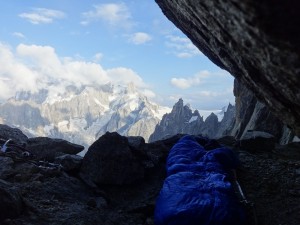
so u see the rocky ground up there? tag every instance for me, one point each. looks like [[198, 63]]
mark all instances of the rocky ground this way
[[66, 191], [272, 182]]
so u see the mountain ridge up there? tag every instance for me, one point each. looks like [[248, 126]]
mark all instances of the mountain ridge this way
[[82, 114], [183, 120]]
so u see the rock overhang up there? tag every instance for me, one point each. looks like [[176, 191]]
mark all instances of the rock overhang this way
[[257, 42]]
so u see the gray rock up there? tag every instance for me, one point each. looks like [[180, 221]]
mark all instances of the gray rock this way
[[226, 125], [136, 142], [257, 42], [48, 148], [210, 126], [287, 136], [256, 141], [110, 160], [98, 202], [253, 115], [10, 201], [24, 172], [70, 163], [289, 151], [6, 164], [229, 141], [15, 134], [159, 150]]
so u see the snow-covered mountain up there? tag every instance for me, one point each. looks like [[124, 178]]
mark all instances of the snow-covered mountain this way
[[82, 114]]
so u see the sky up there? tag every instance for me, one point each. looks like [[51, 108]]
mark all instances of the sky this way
[[95, 42]]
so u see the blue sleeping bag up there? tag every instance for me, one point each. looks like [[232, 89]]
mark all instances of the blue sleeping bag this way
[[197, 190]]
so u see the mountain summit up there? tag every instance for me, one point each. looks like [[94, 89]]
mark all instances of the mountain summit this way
[[183, 120], [83, 114]]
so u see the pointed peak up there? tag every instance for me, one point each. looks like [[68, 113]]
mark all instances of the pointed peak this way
[[188, 105], [196, 112], [212, 117], [179, 103]]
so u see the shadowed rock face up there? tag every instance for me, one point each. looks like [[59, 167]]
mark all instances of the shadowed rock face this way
[[110, 160], [252, 115], [256, 41]]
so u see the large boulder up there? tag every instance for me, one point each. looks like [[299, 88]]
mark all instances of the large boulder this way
[[48, 148], [136, 142], [15, 134], [10, 201], [110, 160], [256, 41]]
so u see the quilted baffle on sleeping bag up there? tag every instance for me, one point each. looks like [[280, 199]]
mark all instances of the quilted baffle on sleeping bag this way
[[197, 189]]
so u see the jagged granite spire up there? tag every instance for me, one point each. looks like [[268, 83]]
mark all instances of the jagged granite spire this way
[[174, 122], [210, 126], [183, 120], [227, 123]]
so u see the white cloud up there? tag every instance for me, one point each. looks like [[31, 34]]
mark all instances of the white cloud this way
[[140, 38], [39, 55], [185, 83], [42, 15], [208, 93], [121, 74], [18, 34], [14, 74], [204, 90], [148, 93], [181, 83], [210, 100], [33, 67], [184, 55], [215, 97], [97, 57], [115, 14], [182, 47]]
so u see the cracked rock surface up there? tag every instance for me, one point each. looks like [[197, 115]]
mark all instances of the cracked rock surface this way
[[258, 42]]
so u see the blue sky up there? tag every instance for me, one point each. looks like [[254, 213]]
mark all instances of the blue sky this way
[[99, 41]]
